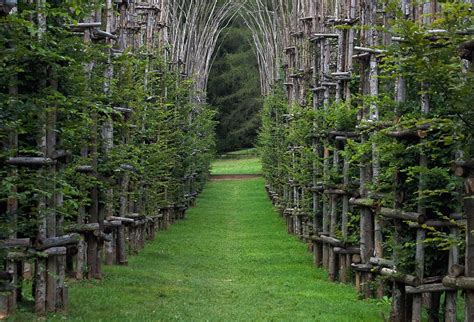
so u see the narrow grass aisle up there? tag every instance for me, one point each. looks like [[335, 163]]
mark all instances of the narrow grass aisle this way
[[231, 259], [248, 165]]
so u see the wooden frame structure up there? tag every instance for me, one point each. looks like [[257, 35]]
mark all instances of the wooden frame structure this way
[[328, 47], [119, 219]]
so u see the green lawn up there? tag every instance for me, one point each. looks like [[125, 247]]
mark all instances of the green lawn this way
[[243, 152], [248, 165], [231, 260]]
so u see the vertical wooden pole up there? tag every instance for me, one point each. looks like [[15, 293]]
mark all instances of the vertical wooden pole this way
[[10, 299], [62, 297], [345, 259], [81, 259], [326, 214], [398, 312], [469, 212], [450, 305], [333, 220], [40, 265], [108, 137], [40, 286], [51, 222], [420, 233], [121, 246]]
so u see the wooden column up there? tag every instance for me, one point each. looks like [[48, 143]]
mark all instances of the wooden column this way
[[8, 300], [469, 211], [465, 169]]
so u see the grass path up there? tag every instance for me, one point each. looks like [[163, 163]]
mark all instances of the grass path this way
[[246, 165], [230, 260]]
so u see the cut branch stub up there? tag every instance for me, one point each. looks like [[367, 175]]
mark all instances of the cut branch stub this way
[[85, 169], [85, 25], [16, 242], [428, 288], [382, 262], [403, 215], [456, 270], [83, 228], [30, 161], [329, 240], [363, 202], [460, 282], [400, 277], [42, 244], [346, 251]]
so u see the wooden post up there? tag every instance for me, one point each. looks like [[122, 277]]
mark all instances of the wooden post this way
[[466, 170], [51, 220], [417, 309], [346, 259], [8, 299], [326, 213], [450, 305], [108, 143], [81, 258], [333, 258], [366, 230], [40, 286], [399, 311], [317, 173], [399, 301], [121, 246]]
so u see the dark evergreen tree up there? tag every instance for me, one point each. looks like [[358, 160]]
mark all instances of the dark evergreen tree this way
[[234, 89]]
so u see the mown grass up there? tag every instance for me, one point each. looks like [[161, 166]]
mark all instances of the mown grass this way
[[244, 161], [231, 260], [243, 152], [247, 165]]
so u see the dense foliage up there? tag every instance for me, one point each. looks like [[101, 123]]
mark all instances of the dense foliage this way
[[49, 71]]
